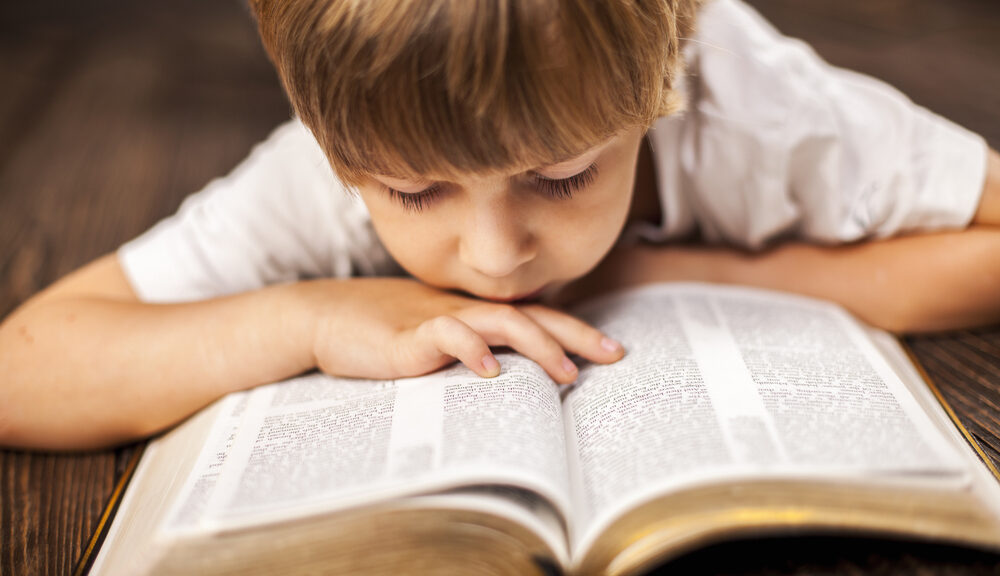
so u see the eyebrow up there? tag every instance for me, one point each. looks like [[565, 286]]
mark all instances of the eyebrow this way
[[597, 149], [570, 161], [422, 181]]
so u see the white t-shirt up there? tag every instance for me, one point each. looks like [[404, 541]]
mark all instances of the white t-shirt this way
[[774, 143]]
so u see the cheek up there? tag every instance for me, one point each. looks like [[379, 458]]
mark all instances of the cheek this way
[[580, 237], [417, 243], [605, 215]]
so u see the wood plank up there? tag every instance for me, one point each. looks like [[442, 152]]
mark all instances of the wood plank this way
[[111, 113]]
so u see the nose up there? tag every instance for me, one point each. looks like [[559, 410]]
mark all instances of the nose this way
[[496, 241]]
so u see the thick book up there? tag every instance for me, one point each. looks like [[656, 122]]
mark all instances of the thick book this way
[[736, 412]]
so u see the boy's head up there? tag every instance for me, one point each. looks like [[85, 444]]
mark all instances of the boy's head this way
[[409, 95]]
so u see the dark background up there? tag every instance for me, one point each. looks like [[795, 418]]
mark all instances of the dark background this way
[[111, 111]]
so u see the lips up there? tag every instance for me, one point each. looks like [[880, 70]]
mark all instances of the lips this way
[[520, 298]]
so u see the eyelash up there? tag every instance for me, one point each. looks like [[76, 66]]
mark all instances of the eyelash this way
[[563, 188], [414, 202], [557, 188]]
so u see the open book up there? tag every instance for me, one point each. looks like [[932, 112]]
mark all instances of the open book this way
[[735, 412]]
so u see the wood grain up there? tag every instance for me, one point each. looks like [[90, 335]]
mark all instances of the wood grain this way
[[111, 111], [966, 368]]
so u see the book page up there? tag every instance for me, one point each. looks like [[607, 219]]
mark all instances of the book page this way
[[722, 382], [645, 417], [318, 443], [200, 485]]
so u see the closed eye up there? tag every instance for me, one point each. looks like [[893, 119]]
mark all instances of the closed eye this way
[[563, 188], [557, 188], [414, 201]]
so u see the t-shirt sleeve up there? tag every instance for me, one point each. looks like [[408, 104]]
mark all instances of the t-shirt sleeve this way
[[280, 216], [779, 143]]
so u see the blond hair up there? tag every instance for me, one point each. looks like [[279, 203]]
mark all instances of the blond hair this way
[[445, 87]]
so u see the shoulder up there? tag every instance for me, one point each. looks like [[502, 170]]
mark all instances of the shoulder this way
[[287, 187], [743, 70], [290, 154], [285, 176], [281, 215]]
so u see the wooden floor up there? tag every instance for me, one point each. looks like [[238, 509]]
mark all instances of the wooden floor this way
[[111, 111]]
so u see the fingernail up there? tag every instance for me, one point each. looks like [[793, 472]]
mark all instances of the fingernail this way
[[610, 345], [568, 366], [491, 365]]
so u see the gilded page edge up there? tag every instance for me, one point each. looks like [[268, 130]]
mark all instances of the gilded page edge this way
[[87, 558], [947, 408]]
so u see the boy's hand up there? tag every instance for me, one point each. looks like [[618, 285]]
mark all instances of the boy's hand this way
[[394, 327]]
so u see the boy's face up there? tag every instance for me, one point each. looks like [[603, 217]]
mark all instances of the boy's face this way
[[512, 235]]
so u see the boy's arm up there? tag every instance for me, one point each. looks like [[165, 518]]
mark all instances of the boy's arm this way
[[922, 283], [85, 364], [916, 283], [988, 212]]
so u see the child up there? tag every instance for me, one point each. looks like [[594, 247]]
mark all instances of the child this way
[[508, 156]]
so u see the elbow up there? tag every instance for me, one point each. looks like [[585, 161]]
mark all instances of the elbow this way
[[49, 439], [7, 431], [900, 314], [25, 427], [921, 316], [891, 322]]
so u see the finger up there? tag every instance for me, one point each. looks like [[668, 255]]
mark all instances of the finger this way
[[505, 325], [450, 336], [575, 335]]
